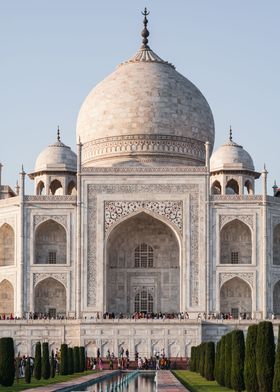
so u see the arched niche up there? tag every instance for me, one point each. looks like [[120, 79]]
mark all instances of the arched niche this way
[[7, 245], [71, 189], [50, 298], [50, 243], [249, 187], [276, 299], [236, 243], [236, 298], [276, 245], [216, 188], [126, 276], [56, 187], [6, 298], [232, 187]]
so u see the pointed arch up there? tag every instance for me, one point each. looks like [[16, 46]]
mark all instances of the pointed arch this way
[[40, 190], [50, 243], [50, 297], [72, 189], [6, 298], [236, 243], [249, 187], [276, 245], [216, 188], [236, 298], [160, 272], [56, 187], [276, 299], [232, 187], [7, 245]]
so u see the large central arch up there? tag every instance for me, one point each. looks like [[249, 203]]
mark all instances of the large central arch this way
[[143, 259]]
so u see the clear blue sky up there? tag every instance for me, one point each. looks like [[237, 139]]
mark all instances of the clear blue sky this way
[[53, 52]]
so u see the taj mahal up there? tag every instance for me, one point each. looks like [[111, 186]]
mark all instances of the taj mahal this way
[[146, 216]]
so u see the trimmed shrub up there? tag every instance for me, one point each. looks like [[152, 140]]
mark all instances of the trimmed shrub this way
[[52, 365], [222, 361], [265, 356], [70, 360], [209, 361], [76, 359], [46, 369], [82, 359], [237, 361], [192, 362], [250, 371], [64, 360], [27, 374], [201, 359], [217, 362], [38, 362], [228, 355], [276, 379], [7, 362]]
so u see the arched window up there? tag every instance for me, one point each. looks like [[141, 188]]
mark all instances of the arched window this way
[[50, 297], [144, 302], [232, 187], [40, 188], [6, 297], [216, 188], [236, 298], [71, 190], [50, 243], [7, 245], [144, 256], [56, 187], [276, 245]]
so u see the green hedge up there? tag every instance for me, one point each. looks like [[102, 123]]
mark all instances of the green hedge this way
[[276, 379], [265, 356], [250, 371], [237, 361], [46, 369], [38, 362], [228, 355], [82, 359], [64, 360], [70, 360], [209, 361], [76, 359], [7, 362]]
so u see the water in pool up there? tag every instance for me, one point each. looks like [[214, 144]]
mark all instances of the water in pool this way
[[125, 382]]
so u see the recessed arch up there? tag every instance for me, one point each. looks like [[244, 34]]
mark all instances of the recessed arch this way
[[40, 190], [276, 244], [232, 187], [50, 243], [236, 298], [6, 298], [56, 187], [50, 297], [276, 299], [72, 189], [216, 188], [124, 279], [236, 243], [7, 245]]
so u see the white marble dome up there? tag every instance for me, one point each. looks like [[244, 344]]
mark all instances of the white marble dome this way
[[144, 113], [231, 156], [56, 157]]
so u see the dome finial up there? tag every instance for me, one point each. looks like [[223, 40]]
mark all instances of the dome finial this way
[[145, 32], [230, 134], [58, 134]]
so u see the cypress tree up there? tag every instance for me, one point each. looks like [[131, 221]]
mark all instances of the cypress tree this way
[[38, 362], [27, 374], [52, 365], [7, 362], [17, 365], [217, 362], [201, 358], [209, 361], [276, 379], [228, 355], [70, 360], [192, 363], [265, 356], [64, 360], [237, 361], [76, 359], [222, 361], [82, 359], [250, 372], [46, 370]]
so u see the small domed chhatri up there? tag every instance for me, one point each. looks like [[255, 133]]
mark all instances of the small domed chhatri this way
[[145, 113], [231, 156]]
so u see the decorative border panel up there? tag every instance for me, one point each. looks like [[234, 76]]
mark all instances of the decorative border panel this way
[[38, 219], [38, 277], [246, 276], [247, 219]]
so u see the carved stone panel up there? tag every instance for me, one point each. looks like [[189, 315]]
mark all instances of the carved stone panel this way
[[247, 219], [247, 276], [114, 212], [170, 210], [38, 219], [38, 277]]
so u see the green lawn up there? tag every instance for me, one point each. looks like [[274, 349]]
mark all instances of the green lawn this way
[[195, 383], [21, 385]]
